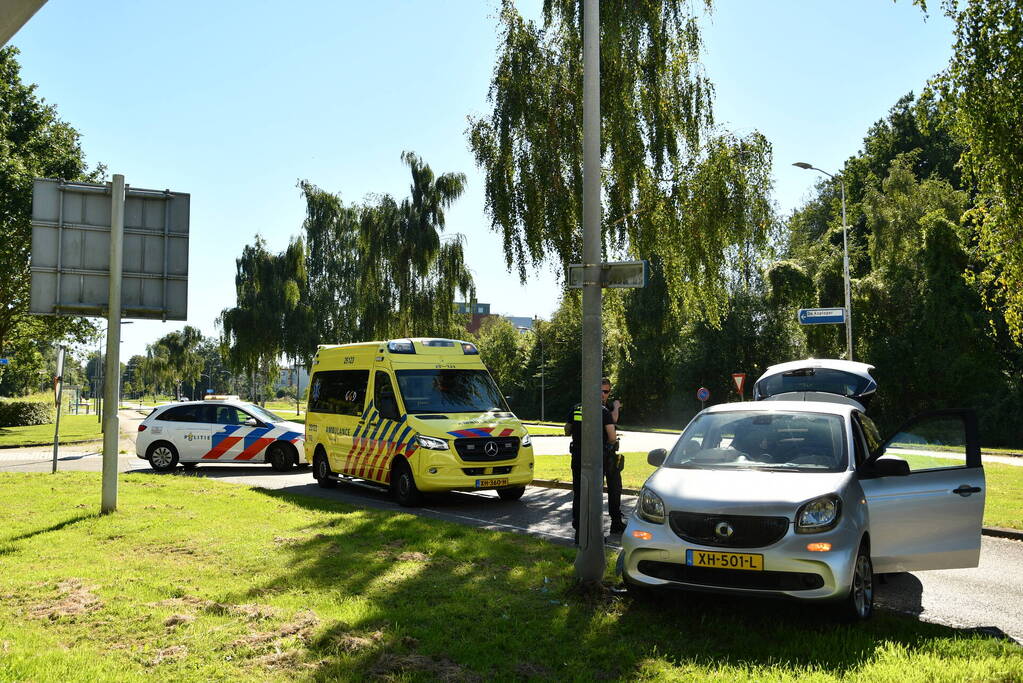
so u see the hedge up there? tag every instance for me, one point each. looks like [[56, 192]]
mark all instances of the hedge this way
[[24, 413]]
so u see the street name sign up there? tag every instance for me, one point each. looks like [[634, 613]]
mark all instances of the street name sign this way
[[71, 251], [821, 316], [615, 274]]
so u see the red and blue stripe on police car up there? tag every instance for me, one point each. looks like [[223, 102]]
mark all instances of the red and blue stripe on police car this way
[[252, 440]]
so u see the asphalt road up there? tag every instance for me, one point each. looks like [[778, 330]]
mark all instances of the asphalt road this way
[[985, 598]]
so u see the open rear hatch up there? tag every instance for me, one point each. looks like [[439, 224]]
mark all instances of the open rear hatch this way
[[840, 381]]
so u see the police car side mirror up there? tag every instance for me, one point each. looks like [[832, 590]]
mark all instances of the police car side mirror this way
[[251, 422], [657, 457]]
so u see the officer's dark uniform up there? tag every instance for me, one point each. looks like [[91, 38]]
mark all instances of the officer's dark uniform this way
[[612, 473]]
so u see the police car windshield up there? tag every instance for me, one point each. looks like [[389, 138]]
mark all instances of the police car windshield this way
[[449, 391], [779, 441], [263, 414]]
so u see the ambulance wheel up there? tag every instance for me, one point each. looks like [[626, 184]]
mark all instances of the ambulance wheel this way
[[512, 493], [322, 473], [279, 457], [403, 484], [162, 456]]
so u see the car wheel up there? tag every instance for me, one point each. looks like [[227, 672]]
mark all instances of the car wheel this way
[[162, 456], [859, 604], [279, 457], [322, 472], [512, 493], [403, 485]]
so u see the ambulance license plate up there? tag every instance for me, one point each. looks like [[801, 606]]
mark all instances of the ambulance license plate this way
[[719, 560], [490, 483]]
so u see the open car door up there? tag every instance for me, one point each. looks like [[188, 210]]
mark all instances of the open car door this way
[[924, 490]]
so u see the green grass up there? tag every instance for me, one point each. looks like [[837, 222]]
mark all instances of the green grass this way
[[1003, 506], [196, 580], [545, 430], [73, 429]]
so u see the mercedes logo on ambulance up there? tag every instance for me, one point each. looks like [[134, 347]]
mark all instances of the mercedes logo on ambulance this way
[[490, 449]]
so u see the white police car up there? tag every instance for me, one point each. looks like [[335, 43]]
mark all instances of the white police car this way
[[219, 431]]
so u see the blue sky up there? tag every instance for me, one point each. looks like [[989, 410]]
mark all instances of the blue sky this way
[[234, 102]]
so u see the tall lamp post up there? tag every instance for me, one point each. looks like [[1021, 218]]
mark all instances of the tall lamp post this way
[[845, 257]]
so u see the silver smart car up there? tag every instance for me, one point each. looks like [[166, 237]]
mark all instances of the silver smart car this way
[[803, 499]]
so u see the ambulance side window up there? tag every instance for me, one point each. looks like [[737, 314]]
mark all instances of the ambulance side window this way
[[339, 392], [383, 396]]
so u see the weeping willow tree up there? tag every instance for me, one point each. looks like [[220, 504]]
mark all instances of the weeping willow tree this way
[[674, 186], [272, 316], [384, 269]]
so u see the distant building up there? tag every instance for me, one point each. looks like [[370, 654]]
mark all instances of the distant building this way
[[478, 311]]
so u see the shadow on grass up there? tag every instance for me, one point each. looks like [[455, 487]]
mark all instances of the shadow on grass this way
[[447, 601]]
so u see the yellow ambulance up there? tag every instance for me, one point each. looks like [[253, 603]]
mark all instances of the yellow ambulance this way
[[413, 415]]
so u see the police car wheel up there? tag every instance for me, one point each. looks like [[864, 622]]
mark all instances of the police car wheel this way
[[404, 486], [322, 473], [512, 493], [279, 457], [162, 456]]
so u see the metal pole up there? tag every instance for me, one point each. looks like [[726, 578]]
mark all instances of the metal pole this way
[[111, 428], [590, 561], [60, 396], [541, 381], [845, 259]]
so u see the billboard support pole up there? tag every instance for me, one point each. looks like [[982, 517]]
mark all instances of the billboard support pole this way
[[111, 427], [60, 397], [590, 560]]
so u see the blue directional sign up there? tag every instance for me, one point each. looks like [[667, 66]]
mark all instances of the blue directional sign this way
[[821, 316], [5, 361]]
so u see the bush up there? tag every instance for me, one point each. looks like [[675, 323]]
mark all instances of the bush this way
[[24, 413]]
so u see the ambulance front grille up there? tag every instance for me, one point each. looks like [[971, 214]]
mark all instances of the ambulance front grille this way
[[481, 450]]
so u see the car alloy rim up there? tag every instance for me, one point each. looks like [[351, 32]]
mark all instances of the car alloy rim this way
[[161, 457], [863, 588]]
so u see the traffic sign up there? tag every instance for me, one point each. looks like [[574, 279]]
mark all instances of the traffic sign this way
[[821, 316], [616, 274], [5, 361], [702, 394], [740, 381]]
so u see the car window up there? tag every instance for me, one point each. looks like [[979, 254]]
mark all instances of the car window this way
[[189, 413], [383, 390], [260, 413], [341, 392], [228, 415], [871, 432], [930, 442], [782, 440], [859, 442]]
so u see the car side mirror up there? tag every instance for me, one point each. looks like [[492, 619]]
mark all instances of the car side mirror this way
[[889, 467], [657, 457], [251, 422]]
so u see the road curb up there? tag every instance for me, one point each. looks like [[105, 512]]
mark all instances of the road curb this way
[[996, 531]]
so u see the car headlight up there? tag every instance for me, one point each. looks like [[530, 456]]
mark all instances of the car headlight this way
[[651, 507], [526, 440], [432, 443], [819, 514]]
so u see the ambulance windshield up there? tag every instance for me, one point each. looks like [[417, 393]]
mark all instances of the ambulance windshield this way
[[449, 391]]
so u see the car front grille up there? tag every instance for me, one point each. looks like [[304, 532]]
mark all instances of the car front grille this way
[[747, 531], [731, 578], [475, 449]]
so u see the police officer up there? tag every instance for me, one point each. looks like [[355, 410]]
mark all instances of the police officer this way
[[612, 473]]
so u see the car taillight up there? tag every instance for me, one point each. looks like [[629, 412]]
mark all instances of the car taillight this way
[[142, 428]]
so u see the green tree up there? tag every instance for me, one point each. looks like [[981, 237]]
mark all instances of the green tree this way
[[271, 314], [382, 269], [984, 88], [673, 186], [503, 350], [34, 142], [174, 358]]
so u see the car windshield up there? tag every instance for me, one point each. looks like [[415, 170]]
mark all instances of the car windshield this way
[[782, 441], [263, 414], [449, 391]]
